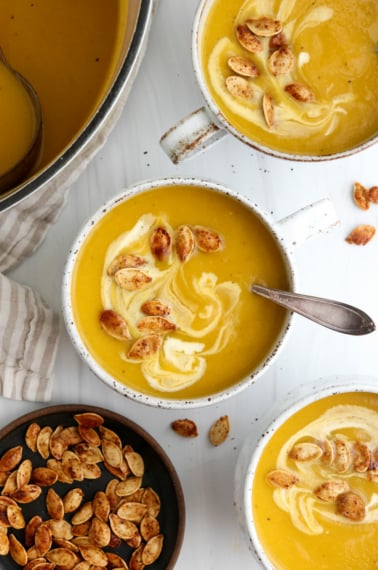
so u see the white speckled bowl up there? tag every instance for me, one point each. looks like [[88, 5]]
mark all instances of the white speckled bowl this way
[[288, 233], [265, 427], [207, 125]]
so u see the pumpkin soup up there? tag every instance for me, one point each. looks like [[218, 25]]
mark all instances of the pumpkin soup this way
[[316, 487], [161, 292], [17, 119], [68, 51], [297, 76]]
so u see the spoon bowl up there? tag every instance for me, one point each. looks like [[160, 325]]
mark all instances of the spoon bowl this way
[[334, 315], [19, 171]]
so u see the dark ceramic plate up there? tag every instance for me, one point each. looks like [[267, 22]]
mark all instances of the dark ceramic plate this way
[[159, 474]]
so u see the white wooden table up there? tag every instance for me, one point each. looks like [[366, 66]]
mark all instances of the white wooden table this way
[[164, 91]]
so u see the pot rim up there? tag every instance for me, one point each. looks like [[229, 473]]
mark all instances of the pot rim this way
[[53, 169], [171, 403], [223, 122]]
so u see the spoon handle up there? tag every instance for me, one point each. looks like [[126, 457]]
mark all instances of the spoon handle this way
[[335, 315]]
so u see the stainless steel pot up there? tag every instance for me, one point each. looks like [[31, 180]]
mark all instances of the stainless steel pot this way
[[67, 166]]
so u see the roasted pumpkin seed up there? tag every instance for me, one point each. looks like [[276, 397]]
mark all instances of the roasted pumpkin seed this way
[[145, 347], [305, 451], [11, 458], [264, 26], [184, 242], [243, 66], [155, 324], [248, 40], [152, 549], [132, 279], [124, 261], [155, 308], [281, 478], [219, 431], [240, 88], [114, 325]]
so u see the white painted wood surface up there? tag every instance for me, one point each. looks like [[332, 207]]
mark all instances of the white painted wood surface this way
[[164, 91]]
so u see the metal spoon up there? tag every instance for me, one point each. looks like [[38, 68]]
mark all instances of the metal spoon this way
[[19, 171], [335, 315]]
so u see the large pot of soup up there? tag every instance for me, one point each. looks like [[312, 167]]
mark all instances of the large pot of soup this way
[[81, 59]]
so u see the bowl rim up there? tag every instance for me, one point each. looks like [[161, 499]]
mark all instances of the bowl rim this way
[[222, 120], [68, 317], [62, 160], [294, 400]]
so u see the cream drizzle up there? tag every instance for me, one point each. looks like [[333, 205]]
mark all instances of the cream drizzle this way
[[290, 117], [305, 509], [203, 309]]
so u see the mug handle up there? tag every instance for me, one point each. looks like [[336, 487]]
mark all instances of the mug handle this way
[[193, 134], [317, 218]]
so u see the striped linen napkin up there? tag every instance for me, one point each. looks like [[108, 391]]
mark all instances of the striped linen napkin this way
[[29, 329]]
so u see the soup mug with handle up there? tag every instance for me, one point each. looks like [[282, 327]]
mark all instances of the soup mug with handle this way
[[279, 88], [322, 435], [183, 341]]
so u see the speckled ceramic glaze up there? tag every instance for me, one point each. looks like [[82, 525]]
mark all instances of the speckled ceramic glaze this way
[[288, 234]]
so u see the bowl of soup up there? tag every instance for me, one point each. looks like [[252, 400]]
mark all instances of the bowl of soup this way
[[306, 480], [293, 79], [157, 291], [81, 59]]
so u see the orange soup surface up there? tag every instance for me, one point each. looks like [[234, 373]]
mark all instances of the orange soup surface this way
[[298, 76], [315, 491], [208, 330], [69, 52], [18, 119]]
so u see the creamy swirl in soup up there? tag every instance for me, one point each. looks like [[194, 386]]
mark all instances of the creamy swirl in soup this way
[[316, 486], [299, 76], [161, 292], [202, 312]]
